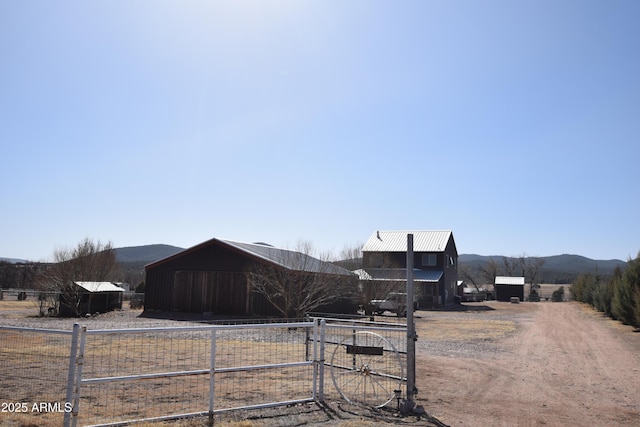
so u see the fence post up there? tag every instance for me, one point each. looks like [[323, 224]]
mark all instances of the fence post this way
[[316, 368], [212, 368], [72, 372], [308, 339], [323, 328], [411, 331], [78, 378]]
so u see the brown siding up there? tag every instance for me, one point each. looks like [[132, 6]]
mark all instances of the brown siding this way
[[173, 285], [211, 291], [207, 279]]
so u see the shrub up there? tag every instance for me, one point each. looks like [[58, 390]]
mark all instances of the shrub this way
[[534, 296], [140, 288], [626, 291], [136, 301], [558, 295]]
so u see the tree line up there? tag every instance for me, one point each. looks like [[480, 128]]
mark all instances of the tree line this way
[[528, 267], [617, 296]]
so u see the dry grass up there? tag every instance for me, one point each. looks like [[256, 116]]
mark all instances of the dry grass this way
[[7, 304], [13, 309], [33, 368], [455, 329]]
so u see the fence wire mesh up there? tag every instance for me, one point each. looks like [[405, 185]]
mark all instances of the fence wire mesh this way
[[135, 375], [34, 366], [369, 379], [133, 358]]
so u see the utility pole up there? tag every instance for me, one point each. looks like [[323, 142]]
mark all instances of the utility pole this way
[[411, 332]]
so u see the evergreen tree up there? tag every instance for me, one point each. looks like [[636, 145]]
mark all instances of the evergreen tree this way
[[604, 293], [625, 303]]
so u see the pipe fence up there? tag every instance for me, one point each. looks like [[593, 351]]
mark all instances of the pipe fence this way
[[35, 375], [118, 376]]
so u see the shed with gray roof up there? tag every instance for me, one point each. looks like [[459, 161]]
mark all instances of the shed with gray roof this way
[[506, 287], [94, 297]]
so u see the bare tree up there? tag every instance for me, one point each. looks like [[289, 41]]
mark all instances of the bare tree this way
[[88, 261], [530, 268], [467, 274], [298, 282], [351, 257], [533, 269], [509, 266], [490, 270]]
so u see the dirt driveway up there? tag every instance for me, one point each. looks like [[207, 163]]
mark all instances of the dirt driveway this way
[[556, 364]]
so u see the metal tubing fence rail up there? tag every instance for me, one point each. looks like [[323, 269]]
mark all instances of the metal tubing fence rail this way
[[111, 377], [386, 369], [37, 368], [221, 368]]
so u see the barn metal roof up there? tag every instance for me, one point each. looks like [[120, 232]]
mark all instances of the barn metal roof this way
[[505, 280], [396, 241], [291, 260], [99, 286], [398, 274]]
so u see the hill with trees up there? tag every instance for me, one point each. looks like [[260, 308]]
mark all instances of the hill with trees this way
[[552, 269], [132, 260], [145, 254]]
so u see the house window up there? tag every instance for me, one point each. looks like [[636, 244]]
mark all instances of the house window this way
[[429, 260]]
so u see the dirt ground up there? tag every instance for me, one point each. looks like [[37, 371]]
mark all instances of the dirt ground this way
[[564, 364], [481, 364]]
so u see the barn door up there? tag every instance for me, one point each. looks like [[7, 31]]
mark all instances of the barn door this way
[[188, 290]]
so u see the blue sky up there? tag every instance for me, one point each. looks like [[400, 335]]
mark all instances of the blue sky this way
[[515, 124]]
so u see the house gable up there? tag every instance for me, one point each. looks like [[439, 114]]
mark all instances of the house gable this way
[[432, 249], [384, 258]]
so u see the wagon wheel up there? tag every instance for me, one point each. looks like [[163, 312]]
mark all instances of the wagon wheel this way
[[366, 369]]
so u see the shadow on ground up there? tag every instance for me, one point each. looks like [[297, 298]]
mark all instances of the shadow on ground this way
[[330, 413], [477, 306]]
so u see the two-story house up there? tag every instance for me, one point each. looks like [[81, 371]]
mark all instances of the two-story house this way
[[435, 274]]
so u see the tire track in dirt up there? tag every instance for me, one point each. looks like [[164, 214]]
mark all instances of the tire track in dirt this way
[[565, 366]]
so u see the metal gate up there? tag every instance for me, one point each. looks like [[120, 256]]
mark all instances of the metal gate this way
[[119, 376]]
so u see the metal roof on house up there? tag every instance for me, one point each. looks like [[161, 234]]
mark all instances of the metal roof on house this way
[[396, 241], [505, 280], [291, 260], [398, 274], [99, 286]]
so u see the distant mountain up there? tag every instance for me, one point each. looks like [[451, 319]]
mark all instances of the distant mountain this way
[[13, 260], [556, 269], [145, 254], [579, 263], [132, 260]]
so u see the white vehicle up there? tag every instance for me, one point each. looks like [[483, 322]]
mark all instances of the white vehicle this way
[[395, 302]]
